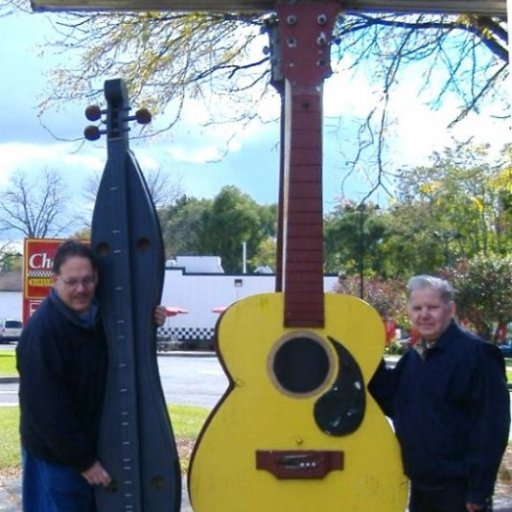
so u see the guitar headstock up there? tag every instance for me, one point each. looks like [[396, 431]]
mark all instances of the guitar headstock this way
[[116, 116], [305, 46]]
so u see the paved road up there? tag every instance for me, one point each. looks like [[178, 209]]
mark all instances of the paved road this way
[[192, 379], [187, 379]]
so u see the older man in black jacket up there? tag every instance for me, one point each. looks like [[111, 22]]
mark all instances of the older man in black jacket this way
[[448, 399]]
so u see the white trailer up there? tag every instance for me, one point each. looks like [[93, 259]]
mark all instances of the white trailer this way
[[204, 295], [195, 283]]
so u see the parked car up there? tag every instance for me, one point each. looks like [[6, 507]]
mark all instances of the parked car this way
[[506, 348], [10, 330]]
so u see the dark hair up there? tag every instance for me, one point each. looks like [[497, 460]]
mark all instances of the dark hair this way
[[70, 249]]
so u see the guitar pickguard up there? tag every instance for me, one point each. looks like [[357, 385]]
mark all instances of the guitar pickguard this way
[[340, 411]]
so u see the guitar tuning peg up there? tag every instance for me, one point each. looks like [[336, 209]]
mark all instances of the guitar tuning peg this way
[[321, 19], [321, 40], [93, 112], [93, 133], [143, 116], [291, 19]]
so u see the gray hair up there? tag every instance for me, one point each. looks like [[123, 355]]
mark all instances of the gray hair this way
[[443, 287]]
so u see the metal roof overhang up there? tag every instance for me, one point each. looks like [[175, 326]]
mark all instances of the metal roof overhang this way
[[482, 7]]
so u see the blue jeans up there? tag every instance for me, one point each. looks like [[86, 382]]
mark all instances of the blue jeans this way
[[48, 487]]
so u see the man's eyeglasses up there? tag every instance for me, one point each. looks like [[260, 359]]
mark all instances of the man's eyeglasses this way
[[73, 282]]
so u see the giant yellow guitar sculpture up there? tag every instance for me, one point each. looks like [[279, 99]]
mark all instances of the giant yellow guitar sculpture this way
[[297, 430]]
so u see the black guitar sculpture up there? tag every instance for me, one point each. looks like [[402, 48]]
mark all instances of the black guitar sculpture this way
[[137, 445]]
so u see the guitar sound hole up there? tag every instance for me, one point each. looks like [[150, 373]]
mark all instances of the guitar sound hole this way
[[301, 365]]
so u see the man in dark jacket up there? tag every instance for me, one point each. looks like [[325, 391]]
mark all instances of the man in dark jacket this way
[[62, 362], [448, 399]]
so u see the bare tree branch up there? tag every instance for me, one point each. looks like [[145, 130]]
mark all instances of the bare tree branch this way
[[36, 209], [166, 58]]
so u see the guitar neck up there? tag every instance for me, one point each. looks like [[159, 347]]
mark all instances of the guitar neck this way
[[302, 213], [302, 45]]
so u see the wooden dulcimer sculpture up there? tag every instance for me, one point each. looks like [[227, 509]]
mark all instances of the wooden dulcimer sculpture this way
[[137, 445], [296, 429]]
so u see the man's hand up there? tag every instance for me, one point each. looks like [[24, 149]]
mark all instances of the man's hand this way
[[160, 315], [97, 475]]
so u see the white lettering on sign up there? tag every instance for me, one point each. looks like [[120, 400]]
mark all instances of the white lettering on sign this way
[[33, 305], [40, 261]]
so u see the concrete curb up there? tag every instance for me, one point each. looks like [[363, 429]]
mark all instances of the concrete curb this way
[[186, 353], [9, 380]]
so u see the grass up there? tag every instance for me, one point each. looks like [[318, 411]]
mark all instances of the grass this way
[[508, 363], [186, 421], [9, 440], [8, 363]]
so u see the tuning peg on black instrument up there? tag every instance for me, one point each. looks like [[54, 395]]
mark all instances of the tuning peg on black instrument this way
[[93, 112], [116, 124], [93, 133], [142, 116]]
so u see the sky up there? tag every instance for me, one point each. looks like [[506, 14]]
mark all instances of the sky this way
[[196, 155]]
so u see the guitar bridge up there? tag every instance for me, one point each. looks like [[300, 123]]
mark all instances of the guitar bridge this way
[[288, 464]]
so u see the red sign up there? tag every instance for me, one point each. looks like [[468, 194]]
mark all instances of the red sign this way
[[37, 268], [38, 257]]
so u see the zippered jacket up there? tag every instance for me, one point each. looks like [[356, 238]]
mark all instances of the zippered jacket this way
[[62, 364], [450, 410]]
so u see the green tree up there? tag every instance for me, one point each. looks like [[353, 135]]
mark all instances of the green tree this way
[[455, 207], [182, 225], [265, 256], [410, 245], [456, 202], [10, 258], [353, 237], [483, 287], [234, 219]]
